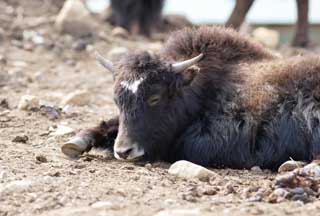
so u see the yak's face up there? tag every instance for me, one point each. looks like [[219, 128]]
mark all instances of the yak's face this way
[[147, 93]]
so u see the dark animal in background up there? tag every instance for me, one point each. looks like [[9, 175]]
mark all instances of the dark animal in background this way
[[238, 106], [141, 16], [137, 16], [301, 38]]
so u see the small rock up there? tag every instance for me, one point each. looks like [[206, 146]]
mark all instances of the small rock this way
[[280, 192], [210, 191], [300, 197], [28, 102], [286, 180], [180, 212], [41, 159], [230, 189], [169, 202], [148, 166], [186, 169], [19, 186], [77, 98], [268, 37], [105, 205], [117, 52], [278, 195], [80, 45], [3, 175], [120, 32], [4, 103], [21, 139], [33, 36], [61, 130], [297, 190], [54, 174], [290, 165], [312, 169], [256, 169], [3, 59], [51, 112], [75, 19]]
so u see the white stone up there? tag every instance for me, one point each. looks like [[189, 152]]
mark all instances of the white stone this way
[[3, 175], [27, 102], [268, 37], [75, 19], [61, 130], [256, 169], [120, 32], [186, 169], [312, 169], [18, 186], [180, 212], [77, 98], [105, 205]]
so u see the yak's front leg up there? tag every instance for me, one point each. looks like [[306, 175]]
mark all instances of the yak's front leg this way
[[101, 136]]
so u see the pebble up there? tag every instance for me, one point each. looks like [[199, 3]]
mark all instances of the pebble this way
[[41, 159], [77, 98], [186, 169], [179, 212], [105, 205], [21, 139], [290, 166], [4, 103], [75, 19], [312, 169], [60, 130], [18, 186], [3, 175], [169, 202], [120, 32], [256, 169], [80, 45], [28, 102], [51, 112]]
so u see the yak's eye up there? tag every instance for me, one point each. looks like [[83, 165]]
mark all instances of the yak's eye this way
[[154, 100]]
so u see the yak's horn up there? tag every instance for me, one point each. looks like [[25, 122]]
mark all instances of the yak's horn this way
[[181, 66], [104, 62]]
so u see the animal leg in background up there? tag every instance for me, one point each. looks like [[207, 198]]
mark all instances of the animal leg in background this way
[[239, 13], [101, 136], [301, 38]]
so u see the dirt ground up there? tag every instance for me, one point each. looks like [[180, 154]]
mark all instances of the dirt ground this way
[[36, 179]]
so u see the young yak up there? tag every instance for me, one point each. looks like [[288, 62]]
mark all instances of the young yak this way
[[238, 106]]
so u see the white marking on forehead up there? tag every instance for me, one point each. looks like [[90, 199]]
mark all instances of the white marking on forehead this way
[[132, 85]]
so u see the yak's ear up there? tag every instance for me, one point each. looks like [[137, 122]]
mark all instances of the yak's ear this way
[[189, 74], [105, 63], [187, 69]]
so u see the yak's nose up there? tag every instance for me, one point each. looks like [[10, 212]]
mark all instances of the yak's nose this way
[[124, 154]]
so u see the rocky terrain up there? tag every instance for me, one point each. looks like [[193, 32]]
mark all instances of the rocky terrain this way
[[51, 87]]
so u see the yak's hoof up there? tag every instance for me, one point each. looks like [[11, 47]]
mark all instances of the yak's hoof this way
[[77, 146]]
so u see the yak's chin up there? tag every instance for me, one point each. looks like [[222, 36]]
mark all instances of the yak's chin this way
[[129, 158]]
